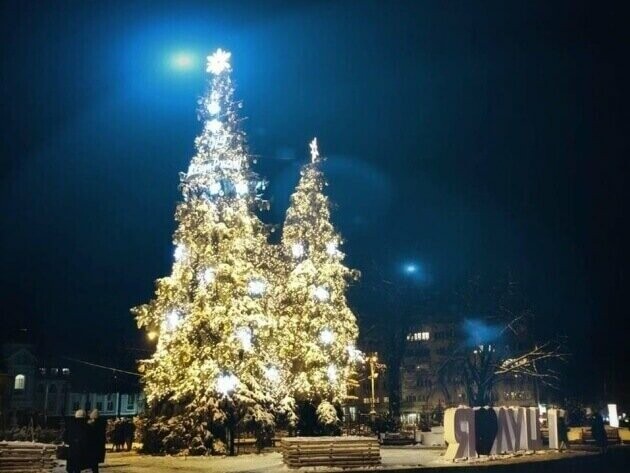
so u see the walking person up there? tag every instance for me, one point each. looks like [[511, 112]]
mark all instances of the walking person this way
[[95, 452], [76, 438], [599, 431]]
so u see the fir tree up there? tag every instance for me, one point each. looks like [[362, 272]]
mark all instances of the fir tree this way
[[318, 327], [217, 344]]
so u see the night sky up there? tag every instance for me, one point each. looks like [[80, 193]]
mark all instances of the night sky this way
[[465, 137]]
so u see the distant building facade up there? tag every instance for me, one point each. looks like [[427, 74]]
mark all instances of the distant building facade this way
[[34, 391], [429, 383]]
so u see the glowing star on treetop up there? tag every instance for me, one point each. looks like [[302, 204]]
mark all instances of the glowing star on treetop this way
[[219, 62], [314, 151]]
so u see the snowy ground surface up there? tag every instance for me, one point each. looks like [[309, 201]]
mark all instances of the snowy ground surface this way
[[394, 458]]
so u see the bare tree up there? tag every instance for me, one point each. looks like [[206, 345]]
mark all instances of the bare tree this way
[[499, 346]]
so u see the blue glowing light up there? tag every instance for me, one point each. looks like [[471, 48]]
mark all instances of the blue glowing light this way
[[411, 268]]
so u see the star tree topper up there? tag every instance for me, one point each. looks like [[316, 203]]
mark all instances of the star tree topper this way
[[219, 62], [314, 151]]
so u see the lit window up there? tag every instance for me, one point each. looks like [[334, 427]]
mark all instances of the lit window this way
[[65, 371], [20, 382], [418, 336]]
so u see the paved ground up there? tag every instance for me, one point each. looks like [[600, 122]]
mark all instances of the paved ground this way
[[394, 458]]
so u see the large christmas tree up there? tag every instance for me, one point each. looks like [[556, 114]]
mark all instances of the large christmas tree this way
[[244, 327], [217, 333], [319, 328]]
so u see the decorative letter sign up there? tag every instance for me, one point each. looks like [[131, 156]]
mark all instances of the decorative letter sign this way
[[459, 432], [494, 431]]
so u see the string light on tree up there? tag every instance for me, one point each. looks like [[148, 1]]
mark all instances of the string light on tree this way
[[173, 319], [180, 252], [272, 374], [214, 108], [244, 335], [354, 354], [256, 287], [227, 384], [327, 336], [332, 249], [321, 293], [214, 126], [331, 372], [297, 250], [241, 188]]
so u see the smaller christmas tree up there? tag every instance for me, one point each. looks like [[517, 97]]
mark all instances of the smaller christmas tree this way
[[319, 329]]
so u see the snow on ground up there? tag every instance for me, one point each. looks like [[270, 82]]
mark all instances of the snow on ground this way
[[393, 458]]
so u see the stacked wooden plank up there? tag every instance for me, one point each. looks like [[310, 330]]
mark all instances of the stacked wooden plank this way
[[27, 457], [343, 452]]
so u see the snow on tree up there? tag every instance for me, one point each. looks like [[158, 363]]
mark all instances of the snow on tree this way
[[319, 330], [217, 334]]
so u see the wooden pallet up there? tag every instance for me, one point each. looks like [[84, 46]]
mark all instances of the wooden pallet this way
[[343, 452], [26, 457]]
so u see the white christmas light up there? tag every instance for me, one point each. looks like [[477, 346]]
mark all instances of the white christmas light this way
[[226, 383], [332, 373], [219, 62], [214, 125], [214, 188], [331, 248], [327, 336], [208, 276], [354, 354], [244, 334], [214, 108], [321, 293], [256, 287], [180, 252], [297, 250], [272, 374], [173, 319], [241, 188]]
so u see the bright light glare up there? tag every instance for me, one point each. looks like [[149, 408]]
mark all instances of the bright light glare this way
[[297, 250], [327, 336], [321, 293], [332, 373], [411, 268], [219, 62], [227, 383], [183, 61], [256, 287], [244, 334], [272, 374], [173, 319]]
